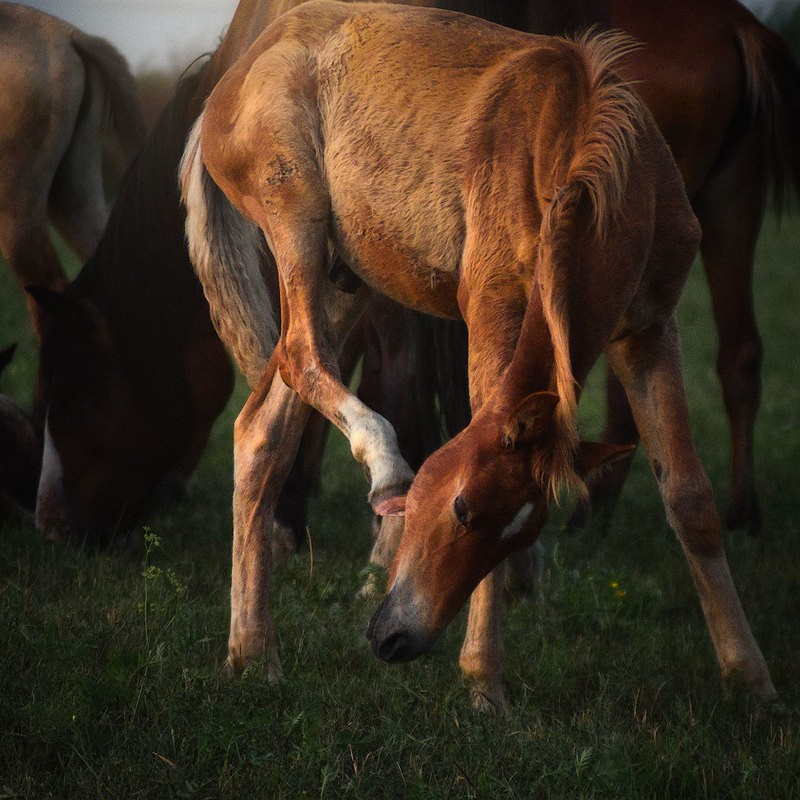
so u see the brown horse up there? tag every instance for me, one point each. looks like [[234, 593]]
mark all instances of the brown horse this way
[[725, 91], [58, 85], [465, 170]]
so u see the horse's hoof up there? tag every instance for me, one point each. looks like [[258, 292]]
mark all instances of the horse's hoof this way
[[488, 697]]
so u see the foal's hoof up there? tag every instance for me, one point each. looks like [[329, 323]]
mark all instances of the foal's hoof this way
[[488, 696], [237, 664]]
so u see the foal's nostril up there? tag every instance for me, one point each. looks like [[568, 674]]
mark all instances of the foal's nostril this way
[[396, 647]]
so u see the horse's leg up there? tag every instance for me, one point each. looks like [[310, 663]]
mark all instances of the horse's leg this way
[[648, 365], [306, 351], [77, 199], [397, 381], [26, 245], [731, 217], [210, 379], [266, 436], [482, 652], [605, 486]]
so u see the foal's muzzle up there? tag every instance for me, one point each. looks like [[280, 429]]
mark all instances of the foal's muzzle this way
[[394, 632]]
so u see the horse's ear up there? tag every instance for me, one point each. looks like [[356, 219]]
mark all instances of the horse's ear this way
[[592, 456], [6, 356], [530, 419], [56, 304]]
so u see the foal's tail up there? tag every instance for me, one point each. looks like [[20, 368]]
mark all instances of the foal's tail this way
[[597, 170], [773, 88], [228, 252], [119, 88]]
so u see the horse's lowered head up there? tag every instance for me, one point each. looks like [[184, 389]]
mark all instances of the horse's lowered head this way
[[103, 453], [475, 501]]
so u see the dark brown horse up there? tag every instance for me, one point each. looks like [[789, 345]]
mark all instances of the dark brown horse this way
[[59, 85], [131, 375], [465, 170], [725, 91]]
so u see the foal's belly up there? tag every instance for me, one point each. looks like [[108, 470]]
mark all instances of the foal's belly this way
[[400, 274], [415, 264]]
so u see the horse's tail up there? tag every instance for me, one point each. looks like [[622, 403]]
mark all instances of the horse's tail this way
[[228, 252], [597, 170], [773, 89], [119, 88]]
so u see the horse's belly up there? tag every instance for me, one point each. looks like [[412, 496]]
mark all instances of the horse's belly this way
[[399, 272], [407, 246]]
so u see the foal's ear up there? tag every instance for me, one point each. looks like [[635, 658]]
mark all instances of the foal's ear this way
[[531, 418], [592, 456]]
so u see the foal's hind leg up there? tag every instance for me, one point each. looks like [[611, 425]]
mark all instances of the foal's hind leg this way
[[648, 364], [731, 217], [266, 437]]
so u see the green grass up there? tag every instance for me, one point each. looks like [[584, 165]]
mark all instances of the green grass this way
[[112, 683]]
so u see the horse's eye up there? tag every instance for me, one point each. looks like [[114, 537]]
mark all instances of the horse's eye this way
[[461, 511]]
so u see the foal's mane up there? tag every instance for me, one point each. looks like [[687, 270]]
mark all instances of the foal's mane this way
[[598, 170]]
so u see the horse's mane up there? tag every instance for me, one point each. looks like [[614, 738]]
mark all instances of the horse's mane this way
[[599, 170], [140, 276]]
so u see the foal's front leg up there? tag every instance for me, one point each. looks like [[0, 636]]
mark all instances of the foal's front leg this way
[[648, 365], [482, 652]]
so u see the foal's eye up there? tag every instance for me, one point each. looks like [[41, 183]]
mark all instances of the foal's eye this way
[[461, 511]]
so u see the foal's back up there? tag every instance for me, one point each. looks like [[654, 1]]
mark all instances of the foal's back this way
[[392, 115]]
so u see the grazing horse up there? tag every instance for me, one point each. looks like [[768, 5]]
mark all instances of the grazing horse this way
[[131, 374], [58, 86], [20, 453], [465, 170]]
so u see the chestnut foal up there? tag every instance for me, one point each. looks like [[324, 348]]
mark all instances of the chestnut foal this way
[[462, 169]]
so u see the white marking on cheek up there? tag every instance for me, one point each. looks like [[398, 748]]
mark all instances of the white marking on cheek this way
[[518, 523]]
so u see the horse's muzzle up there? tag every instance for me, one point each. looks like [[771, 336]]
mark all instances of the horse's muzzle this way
[[394, 634]]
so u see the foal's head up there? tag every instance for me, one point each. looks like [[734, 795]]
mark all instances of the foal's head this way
[[474, 502]]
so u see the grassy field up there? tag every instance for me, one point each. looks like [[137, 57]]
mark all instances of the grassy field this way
[[111, 679]]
